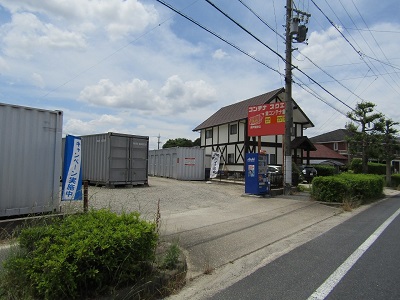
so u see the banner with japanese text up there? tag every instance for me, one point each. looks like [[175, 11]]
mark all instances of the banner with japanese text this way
[[215, 160], [72, 174], [266, 119]]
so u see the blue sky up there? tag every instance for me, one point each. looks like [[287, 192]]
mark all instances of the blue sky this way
[[136, 67]]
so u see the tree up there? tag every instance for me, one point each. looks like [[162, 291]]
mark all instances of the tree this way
[[364, 116], [197, 142], [389, 146], [179, 142]]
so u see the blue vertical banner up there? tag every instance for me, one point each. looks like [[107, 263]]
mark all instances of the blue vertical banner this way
[[72, 174]]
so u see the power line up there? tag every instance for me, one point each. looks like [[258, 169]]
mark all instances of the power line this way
[[218, 36], [257, 39]]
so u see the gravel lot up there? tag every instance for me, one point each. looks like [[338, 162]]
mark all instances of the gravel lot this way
[[175, 196]]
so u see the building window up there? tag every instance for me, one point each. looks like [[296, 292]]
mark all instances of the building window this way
[[335, 146], [231, 158], [233, 129], [209, 134]]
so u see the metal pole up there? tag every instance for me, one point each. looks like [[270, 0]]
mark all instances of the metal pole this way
[[288, 102]]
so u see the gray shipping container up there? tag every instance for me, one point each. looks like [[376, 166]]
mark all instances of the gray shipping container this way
[[182, 163], [30, 160], [115, 159]]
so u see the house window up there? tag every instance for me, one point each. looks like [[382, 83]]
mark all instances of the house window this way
[[233, 129], [335, 146], [209, 134], [231, 158]]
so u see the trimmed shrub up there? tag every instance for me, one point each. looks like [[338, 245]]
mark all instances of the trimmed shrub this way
[[375, 168], [395, 180], [329, 189], [362, 187], [84, 255], [325, 170], [356, 165]]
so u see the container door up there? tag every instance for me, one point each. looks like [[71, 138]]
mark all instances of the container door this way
[[138, 156], [119, 159]]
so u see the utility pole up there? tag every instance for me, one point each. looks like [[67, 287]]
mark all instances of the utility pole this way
[[288, 102], [158, 141], [292, 27]]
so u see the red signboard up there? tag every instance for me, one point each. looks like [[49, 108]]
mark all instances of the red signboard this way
[[266, 119]]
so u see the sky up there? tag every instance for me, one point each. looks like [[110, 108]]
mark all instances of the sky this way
[[137, 67]]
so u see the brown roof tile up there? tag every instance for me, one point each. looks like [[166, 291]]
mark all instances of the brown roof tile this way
[[237, 111]]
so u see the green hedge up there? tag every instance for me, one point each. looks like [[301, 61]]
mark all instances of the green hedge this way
[[362, 187], [82, 255], [395, 180], [373, 168]]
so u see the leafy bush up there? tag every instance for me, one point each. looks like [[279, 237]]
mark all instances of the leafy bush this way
[[83, 255], [329, 189], [325, 170], [395, 180], [356, 165], [362, 187], [375, 168]]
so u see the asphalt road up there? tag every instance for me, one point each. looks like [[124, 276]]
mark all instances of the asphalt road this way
[[299, 273]]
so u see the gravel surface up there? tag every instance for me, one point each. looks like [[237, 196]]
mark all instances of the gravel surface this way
[[174, 196]]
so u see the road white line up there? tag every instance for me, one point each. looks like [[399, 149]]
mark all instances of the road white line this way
[[324, 290]]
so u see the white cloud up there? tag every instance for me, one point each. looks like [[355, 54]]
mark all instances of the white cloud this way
[[38, 80], [103, 123], [27, 35], [220, 54], [175, 96], [118, 18]]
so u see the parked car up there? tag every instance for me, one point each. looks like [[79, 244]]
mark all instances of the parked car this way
[[274, 169], [308, 173]]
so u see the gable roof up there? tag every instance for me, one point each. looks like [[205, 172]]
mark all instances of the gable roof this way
[[323, 152], [238, 111], [337, 135]]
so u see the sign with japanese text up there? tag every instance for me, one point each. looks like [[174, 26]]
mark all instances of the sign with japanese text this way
[[266, 119], [72, 174], [215, 159]]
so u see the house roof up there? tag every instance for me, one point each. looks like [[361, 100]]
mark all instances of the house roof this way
[[337, 135], [238, 111], [302, 142], [323, 152]]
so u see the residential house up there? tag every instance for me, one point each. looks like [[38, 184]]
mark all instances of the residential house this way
[[336, 141], [226, 131]]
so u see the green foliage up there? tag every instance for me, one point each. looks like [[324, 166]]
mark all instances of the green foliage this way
[[179, 142], [395, 180], [325, 170], [375, 168], [171, 258], [356, 165], [83, 255], [329, 189], [362, 187]]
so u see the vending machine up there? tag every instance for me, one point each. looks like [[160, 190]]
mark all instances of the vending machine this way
[[256, 180]]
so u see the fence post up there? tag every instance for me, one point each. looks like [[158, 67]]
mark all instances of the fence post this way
[[85, 196]]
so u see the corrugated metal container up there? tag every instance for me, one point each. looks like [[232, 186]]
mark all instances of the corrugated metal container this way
[[115, 159], [30, 160], [182, 163]]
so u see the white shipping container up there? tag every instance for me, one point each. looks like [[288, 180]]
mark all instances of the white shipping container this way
[[30, 160], [182, 163]]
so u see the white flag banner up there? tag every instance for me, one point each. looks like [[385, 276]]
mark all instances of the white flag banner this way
[[215, 159]]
